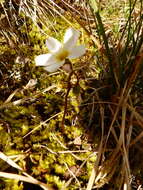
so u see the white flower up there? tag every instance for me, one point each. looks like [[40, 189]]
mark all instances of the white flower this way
[[60, 51]]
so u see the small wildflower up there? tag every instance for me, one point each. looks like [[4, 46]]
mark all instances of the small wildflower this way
[[59, 52]]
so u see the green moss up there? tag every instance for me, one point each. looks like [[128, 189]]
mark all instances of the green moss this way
[[13, 185]]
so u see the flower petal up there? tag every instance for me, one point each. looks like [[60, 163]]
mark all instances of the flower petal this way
[[54, 67], [77, 51], [45, 59], [53, 44], [70, 38]]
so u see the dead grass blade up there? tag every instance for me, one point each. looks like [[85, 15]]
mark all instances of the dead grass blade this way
[[9, 161], [26, 178], [95, 170], [8, 102]]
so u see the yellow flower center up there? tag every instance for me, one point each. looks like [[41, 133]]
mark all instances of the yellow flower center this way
[[62, 55]]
